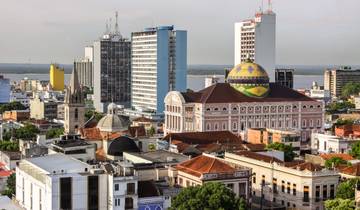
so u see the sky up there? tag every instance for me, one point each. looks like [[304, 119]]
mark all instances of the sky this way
[[309, 32]]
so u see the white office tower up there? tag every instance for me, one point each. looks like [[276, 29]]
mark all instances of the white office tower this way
[[257, 38], [84, 68], [158, 65]]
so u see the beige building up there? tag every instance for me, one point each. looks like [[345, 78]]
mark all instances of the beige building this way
[[43, 109], [203, 169], [296, 185], [336, 79]]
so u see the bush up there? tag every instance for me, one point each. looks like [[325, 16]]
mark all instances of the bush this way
[[288, 150]]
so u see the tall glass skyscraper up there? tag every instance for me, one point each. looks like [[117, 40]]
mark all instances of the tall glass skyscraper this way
[[112, 71]]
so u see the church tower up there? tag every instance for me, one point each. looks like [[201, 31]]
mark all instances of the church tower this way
[[74, 106]]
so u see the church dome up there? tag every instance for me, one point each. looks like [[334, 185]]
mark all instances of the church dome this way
[[112, 122], [250, 79], [122, 144]]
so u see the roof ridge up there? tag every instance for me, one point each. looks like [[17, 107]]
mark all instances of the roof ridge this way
[[212, 164], [211, 88]]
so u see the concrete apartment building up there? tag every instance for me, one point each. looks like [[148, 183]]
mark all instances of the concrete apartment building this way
[[336, 79], [296, 185], [57, 82], [267, 136], [43, 109], [84, 68], [112, 71], [256, 38], [158, 65]]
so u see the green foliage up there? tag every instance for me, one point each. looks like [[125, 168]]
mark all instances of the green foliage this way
[[346, 190], [335, 107], [350, 88], [10, 188], [11, 106], [90, 113], [288, 150], [334, 162], [355, 150], [340, 204], [210, 196], [54, 133], [9, 146], [29, 131], [151, 131]]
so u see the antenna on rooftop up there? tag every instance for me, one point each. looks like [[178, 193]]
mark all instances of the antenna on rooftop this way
[[107, 27], [110, 27], [269, 5], [116, 23]]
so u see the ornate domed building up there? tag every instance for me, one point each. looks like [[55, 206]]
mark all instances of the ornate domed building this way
[[250, 79], [246, 100], [112, 122]]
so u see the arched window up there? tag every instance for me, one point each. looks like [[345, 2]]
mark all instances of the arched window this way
[[216, 126], [76, 114], [242, 126], [208, 126], [224, 126]]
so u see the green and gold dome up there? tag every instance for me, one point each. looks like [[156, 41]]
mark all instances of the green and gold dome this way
[[250, 79]]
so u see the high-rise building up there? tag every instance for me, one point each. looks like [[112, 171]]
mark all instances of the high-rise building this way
[[4, 90], [74, 106], [336, 79], [84, 68], [256, 38], [112, 71], [159, 65], [56, 77], [285, 77]]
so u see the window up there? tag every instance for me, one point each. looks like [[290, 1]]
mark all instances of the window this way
[[117, 201], [216, 109], [180, 181], [288, 188], [129, 203], [76, 114], [242, 189], [224, 126], [224, 109], [93, 192], [187, 183], [325, 192], [263, 180], [254, 178], [130, 188], [274, 185], [294, 189], [116, 187], [216, 126], [230, 186], [208, 126], [283, 186], [325, 147], [306, 194], [294, 123], [317, 193], [65, 193], [304, 123], [332, 191], [234, 126]]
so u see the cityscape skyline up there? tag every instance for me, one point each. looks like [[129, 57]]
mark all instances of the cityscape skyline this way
[[62, 37]]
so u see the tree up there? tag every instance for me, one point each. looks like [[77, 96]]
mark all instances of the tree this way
[[54, 133], [90, 113], [212, 195], [11, 106], [350, 88], [10, 188], [342, 106], [288, 150], [355, 150], [151, 131], [334, 162], [340, 204], [9, 146], [346, 189], [29, 131]]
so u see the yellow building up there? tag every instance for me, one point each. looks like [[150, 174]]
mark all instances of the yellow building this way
[[56, 77]]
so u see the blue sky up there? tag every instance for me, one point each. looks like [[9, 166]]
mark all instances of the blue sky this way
[[308, 31]]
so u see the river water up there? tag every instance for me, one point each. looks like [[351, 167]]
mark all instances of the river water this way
[[194, 82]]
